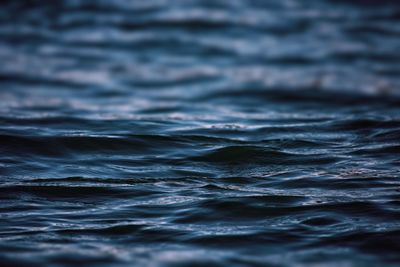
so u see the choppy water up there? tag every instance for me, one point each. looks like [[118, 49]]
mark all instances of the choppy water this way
[[191, 133]]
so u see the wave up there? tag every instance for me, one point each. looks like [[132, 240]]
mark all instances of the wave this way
[[182, 133]]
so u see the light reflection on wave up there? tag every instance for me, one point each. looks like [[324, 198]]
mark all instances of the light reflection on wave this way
[[228, 133]]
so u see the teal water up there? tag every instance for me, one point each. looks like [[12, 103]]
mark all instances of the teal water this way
[[193, 133]]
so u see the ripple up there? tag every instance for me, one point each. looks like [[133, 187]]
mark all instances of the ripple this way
[[188, 133]]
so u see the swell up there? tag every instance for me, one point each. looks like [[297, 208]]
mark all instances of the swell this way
[[259, 155], [305, 95], [60, 191]]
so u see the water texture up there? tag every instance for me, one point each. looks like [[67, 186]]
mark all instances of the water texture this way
[[200, 133]]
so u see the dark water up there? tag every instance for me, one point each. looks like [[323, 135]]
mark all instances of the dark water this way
[[193, 133]]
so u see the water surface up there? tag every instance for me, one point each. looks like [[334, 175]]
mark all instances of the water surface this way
[[192, 133]]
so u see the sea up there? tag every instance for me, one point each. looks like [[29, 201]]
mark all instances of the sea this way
[[199, 133]]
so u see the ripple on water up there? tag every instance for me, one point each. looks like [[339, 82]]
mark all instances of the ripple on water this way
[[191, 133]]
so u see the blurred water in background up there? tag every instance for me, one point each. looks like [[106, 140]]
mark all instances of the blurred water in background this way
[[191, 133]]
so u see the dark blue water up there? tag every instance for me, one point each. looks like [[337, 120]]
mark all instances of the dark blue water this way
[[200, 133]]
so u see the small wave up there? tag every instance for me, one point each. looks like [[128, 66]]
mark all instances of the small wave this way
[[223, 133]]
